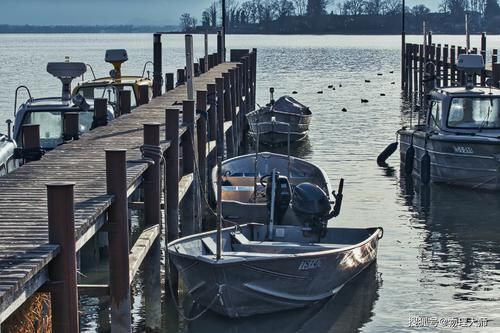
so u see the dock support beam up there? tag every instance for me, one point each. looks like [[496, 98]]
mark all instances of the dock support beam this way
[[119, 287], [62, 269], [219, 86], [152, 217], [172, 180]]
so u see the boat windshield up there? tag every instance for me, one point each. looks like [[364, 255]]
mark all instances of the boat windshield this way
[[474, 113], [51, 125], [107, 91]]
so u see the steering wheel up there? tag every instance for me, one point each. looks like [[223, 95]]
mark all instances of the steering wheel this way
[[261, 180]]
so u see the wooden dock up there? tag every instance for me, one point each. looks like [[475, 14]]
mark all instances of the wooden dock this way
[[443, 72], [51, 208]]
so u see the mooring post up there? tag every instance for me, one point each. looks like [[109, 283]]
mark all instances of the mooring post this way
[[62, 269], [453, 68], [205, 54], [219, 84], [201, 108], [172, 200], [196, 69], [210, 61], [119, 287], [228, 116], [157, 64], [461, 74], [415, 70], [234, 119], [220, 46], [212, 111], [496, 74], [421, 61], [483, 54], [254, 76], [71, 125], [32, 149], [100, 112], [169, 81], [124, 101], [201, 62], [143, 95], [438, 65], [446, 65], [189, 66], [152, 216], [494, 56], [188, 158], [181, 76], [407, 73]]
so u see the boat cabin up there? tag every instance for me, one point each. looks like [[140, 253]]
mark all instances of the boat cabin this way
[[49, 112], [459, 110], [140, 87]]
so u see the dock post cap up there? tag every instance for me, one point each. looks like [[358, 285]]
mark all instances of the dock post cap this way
[[60, 184], [151, 124]]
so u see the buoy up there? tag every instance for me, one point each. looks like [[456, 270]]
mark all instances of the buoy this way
[[333, 88], [382, 94], [391, 72], [330, 86], [409, 157], [294, 92], [320, 92], [425, 168], [368, 81], [344, 110], [393, 82], [384, 155], [340, 85], [364, 100], [379, 74]]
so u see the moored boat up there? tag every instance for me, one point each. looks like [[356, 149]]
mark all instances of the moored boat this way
[[280, 121], [289, 258], [49, 112], [140, 87], [244, 196], [459, 144], [7, 161], [258, 275]]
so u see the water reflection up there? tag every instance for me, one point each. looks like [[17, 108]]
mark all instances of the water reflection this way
[[461, 246], [347, 312]]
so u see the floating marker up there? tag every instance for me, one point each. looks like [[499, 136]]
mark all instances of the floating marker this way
[[333, 88], [379, 74], [368, 81], [344, 110], [393, 82], [330, 86], [364, 100], [294, 92], [382, 94], [320, 92], [391, 72]]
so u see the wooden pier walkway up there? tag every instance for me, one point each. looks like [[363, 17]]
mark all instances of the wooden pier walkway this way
[[31, 260]]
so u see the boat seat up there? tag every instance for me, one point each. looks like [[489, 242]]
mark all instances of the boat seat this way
[[240, 180], [209, 244]]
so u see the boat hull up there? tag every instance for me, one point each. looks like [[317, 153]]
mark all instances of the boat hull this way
[[462, 160], [238, 286], [276, 133]]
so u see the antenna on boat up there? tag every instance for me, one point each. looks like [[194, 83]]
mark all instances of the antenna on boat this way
[[271, 91], [116, 58], [255, 163], [66, 72], [273, 200]]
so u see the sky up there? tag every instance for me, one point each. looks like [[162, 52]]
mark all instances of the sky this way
[[109, 12]]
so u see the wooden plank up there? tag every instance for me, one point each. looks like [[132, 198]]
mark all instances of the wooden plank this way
[[141, 248]]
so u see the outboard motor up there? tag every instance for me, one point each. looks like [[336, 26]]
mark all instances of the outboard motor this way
[[312, 206], [282, 196]]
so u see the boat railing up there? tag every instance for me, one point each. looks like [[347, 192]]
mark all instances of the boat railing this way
[[16, 94], [91, 70], [149, 62]]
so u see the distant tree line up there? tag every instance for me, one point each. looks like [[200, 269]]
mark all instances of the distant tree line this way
[[343, 16], [47, 29]]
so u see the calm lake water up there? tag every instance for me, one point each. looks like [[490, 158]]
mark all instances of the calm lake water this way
[[440, 257]]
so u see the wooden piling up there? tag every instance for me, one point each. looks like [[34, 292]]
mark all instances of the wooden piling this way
[[71, 125], [201, 131], [421, 62], [494, 56], [496, 74], [219, 86], [181, 77], [169, 81], [124, 101], [228, 116], [172, 200], [202, 67], [119, 287], [143, 95], [189, 66], [188, 160], [212, 111], [205, 54], [446, 65], [157, 65], [100, 112], [219, 48], [62, 269], [152, 217], [483, 54], [453, 67]]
